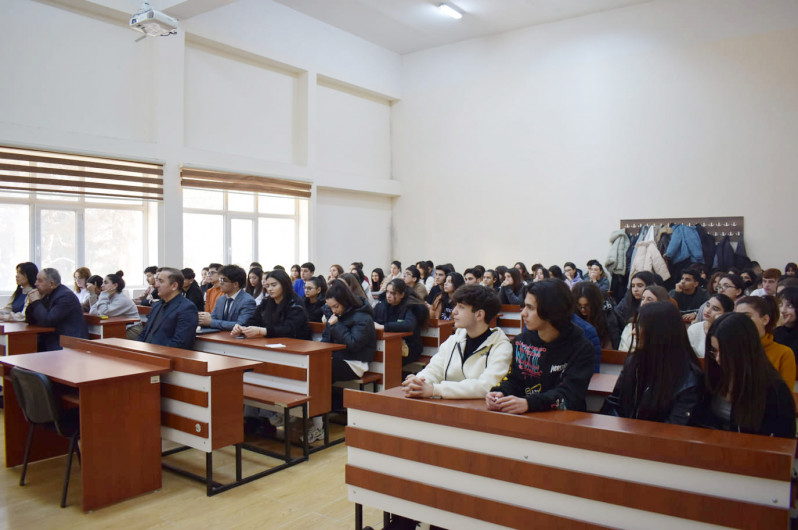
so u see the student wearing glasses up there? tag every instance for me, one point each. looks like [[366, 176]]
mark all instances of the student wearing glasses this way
[[234, 306]]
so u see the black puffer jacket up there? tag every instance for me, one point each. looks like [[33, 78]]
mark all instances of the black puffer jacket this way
[[314, 310], [626, 403], [401, 318], [355, 329], [286, 319]]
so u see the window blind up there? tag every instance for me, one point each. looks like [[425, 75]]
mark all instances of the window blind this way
[[218, 180], [32, 170]]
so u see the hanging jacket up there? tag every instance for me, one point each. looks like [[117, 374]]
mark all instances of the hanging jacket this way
[[649, 259], [685, 244], [724, 255], [616, 258], [741, 260], [707, 244]]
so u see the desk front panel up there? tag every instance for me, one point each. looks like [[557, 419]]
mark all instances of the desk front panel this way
[[459, 477], [310, 374]]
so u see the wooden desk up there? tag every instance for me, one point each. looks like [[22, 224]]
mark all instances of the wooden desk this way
[[601, 386], [434, 334], [510, 321], [454, 464], [301, 366], [119, 420], [201, 398], [107, 328], [19, 337], [612, 361]]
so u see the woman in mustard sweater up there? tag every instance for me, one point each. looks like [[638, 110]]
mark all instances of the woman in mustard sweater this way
[[764, 312]]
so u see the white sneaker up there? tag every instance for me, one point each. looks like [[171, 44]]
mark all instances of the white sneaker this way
[[315, 434]]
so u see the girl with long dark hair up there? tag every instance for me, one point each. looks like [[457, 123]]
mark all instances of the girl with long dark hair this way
[[282, 314], [26, 282], [590, 306], [746, 393], [443, 305], [402, 310], [510, 292], [661, 380]]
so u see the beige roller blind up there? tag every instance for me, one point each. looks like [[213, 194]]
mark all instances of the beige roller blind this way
[[219, 180], [47, 172]]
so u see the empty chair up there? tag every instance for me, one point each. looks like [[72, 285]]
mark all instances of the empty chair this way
[[34, 393]]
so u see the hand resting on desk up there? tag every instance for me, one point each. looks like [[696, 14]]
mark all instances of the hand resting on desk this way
[[417, 387], [498, 402]]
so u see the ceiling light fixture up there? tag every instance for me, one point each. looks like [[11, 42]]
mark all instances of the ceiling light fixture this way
[[451, 11]]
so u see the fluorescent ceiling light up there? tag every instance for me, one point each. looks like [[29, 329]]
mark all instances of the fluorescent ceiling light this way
[[450, 10]]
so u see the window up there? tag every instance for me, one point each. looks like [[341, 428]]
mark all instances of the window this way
[[231, 218], [66, 211]]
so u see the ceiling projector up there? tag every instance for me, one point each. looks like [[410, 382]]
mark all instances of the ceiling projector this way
[[153, 23]]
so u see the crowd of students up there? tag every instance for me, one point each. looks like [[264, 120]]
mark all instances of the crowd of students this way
[[731, 319]]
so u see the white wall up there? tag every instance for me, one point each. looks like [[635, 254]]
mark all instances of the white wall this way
[[352, 227], [235, 90], [532, 145]]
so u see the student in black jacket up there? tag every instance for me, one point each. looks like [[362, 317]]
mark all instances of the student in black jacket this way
[[402, 310], [282, 314], [350, 324], [552, 360], [315, 291], [746, 394], [661, 380], [191, 289]]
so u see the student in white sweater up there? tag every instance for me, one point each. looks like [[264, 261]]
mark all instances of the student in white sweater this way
[[113, 302], [473, 359]]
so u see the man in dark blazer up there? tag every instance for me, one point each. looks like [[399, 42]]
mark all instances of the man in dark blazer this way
[[235, 305], [55, 306], [173, 320]]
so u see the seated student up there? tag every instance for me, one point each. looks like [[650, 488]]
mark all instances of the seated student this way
[[54, 305], [443, 305], [81, 275], [427, 270], [150, 292], [786, 281], [438, 279], [510, 292], [315, 292], [652, 293], [470, 277], [191, 289], [352, 281], [94, 286], [732, 286], [204, 285], [689, 295], [350, 324], [491, 280], [255, 284], [172, 321], [214, 291], [235, 306], [282, 314], [402, 310], [114, 302], [18, 301], [764, 312], [556, 272], [552, 362], [412, 278], [539, 273], [590, 306], [305, 273], [596, 275], [377, 276], [661, 380], [746, 393], [522, 271], [473, 359], [572, 274], [394, 273], [787, 333], [335, 271], [713, 308], [356, 268], [630, 303], [770, 280]]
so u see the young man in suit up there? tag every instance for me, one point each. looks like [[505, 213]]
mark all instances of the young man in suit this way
[[235, 306], [56, 306], [173, 320]]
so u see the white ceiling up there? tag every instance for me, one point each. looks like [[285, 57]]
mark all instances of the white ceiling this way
[[407, 26]]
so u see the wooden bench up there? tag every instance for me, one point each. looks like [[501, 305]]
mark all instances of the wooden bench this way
[[281, 401]]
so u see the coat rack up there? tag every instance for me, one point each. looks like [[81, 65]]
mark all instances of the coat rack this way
[[717, 226]]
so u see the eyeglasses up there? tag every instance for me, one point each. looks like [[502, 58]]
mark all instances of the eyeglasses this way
[[724, 286], [224, 280]]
